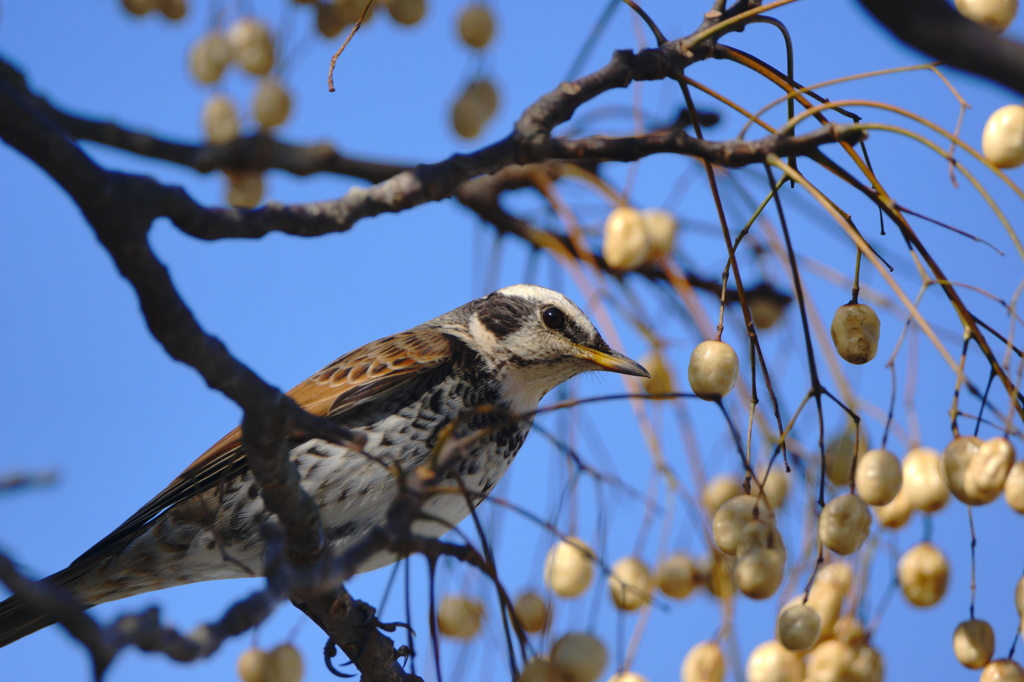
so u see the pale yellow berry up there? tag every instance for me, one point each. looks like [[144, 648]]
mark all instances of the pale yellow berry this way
[[1013, 487], [1003, 670], [660, 381], [569, 568], [830, 661], [776, 486], [537, 670], [459, 616], [625, 245], [798, 627], [661, 227], [251, 45], [173, 9], [284, 664], [849, 630], [718, 491], [630, 583], [766, 306], [855, 333], [896, 513], [328, 21], [954, 461], [407, 12], [922, 480], [878, 478], [579, 657], [474, 108], [485, 94], [349, 11], [987, 471], [281, 664], [759, 572], [772, 662], [868, 666], [245, 190], [476, 25], [139, 7], [713, 370], [676, 575], [220, 120], [826, 599], [760, 534], [208, 57], [837, 573], [995, 14], [532, 612], [1002, 139], [731, 518], [973, 643], [844, 524], [923, 574], [975, 470], [703, 663], [839, 456], [245, 30], [270, 103], [627, 676], [251, 665], [1019, 598]]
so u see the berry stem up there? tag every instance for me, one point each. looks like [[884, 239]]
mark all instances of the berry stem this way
[[856, 278]]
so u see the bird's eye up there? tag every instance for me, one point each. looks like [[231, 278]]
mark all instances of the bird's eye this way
[[553, 318]]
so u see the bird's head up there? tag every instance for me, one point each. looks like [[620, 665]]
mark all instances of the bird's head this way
[[535, 338]]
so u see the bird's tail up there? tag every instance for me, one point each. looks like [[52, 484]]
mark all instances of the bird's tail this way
[[19, 617]]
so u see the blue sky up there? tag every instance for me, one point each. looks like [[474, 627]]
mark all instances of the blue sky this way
[[92, 397]]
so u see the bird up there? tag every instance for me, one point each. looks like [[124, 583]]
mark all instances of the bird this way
[[400, 395]]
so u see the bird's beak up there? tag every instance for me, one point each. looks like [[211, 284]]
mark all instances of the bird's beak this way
[[612, 361]]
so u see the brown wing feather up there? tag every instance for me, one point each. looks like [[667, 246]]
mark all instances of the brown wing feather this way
[[369, 372], [353, 380]]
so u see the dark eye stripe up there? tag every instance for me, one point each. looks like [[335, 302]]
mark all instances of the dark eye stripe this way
[[504, 315]]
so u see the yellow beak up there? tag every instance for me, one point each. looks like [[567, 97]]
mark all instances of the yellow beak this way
[[612, 361]]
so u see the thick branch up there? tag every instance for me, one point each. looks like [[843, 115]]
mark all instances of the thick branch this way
[[480, 194], [143, 630], [732, 153], [530, 142], [64, 609], [258, 152], [352, 626], [120, 209], [935, 28]]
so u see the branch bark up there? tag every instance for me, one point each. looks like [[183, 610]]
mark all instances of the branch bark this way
[[938, 30], [120, 208]]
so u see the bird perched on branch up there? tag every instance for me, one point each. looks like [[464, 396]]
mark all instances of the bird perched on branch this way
[[404, 394]]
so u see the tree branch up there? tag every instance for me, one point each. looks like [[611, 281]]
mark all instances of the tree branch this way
[[935, 28], [64, 609], [120, 208]]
